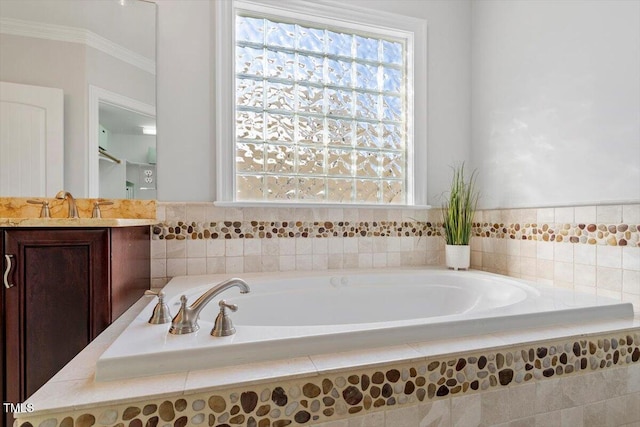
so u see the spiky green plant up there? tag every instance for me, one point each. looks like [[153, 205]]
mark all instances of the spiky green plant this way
[[459, 208]]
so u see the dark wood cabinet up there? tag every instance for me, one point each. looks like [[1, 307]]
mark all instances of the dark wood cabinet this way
[[68, 286]]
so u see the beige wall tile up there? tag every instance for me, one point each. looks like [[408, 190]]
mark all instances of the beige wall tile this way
[[196, 266], [320, 246], [215, 265], [215, 248], [196, 248], [633, 380], [304, 246], [572, 417], [435, 414], [522, 400], [609, 214], [304, 262], [584, 254], [585, 214], [631, 258], [287, 246], [584, 275], [233, 247], [563, 272], [563, 252], [376, 419], [609, 256], [234, 264], [563, 215], [544, 250], [545, 216], [270, 247], [196, 212], [158, 268], [252, 246], [402, 417], [176, 267], [631, 282], [252, 263], [466, 411], [287, 262], [176, 248], [609, 279], [320, 262], [631, 214], [495, 407], [550, 396], [549, 419], [158, 249]]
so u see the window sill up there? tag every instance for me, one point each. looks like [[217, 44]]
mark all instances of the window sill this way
[[308, 205]]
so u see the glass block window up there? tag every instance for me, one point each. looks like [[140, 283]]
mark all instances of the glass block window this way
[[320, 114]]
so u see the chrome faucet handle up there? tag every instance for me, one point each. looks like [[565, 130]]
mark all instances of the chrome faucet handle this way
[[161, 312], [96, 213], [45, 212], [185, 322], [223, 326]]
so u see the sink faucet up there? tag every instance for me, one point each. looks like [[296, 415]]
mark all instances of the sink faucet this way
[[186, 321], [73, 210]]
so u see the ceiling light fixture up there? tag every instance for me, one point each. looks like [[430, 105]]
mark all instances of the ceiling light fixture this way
[[149, 130]]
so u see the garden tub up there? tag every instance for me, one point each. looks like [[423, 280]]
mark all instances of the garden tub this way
[[303, 314]]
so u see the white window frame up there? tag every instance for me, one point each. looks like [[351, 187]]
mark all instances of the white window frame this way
[[330, 12]]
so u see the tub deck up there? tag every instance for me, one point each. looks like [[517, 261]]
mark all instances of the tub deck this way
[[335, 311], [74, 389]]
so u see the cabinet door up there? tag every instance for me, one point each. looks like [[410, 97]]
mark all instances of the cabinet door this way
[[3, 395], [59, 303]]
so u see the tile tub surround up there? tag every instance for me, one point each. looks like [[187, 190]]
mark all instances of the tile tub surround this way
[[591, 379], [595, 249]]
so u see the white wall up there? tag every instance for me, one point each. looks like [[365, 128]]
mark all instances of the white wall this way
[[184, 110], [556, 101], [186, 116]]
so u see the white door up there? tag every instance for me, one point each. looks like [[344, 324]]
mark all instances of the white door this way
[[31, 140]]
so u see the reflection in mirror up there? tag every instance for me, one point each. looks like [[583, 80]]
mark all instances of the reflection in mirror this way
[[73, 46], [127, 153]]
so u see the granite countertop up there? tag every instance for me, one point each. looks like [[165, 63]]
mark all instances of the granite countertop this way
[[19, 212], [75, 222]]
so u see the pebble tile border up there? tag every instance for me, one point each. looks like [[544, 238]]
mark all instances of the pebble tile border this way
[[592, 234], [335, 396]]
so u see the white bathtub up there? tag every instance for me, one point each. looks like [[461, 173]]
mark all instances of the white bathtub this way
[[289, 315]]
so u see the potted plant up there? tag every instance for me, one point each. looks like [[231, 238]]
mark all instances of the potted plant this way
[[457, 219]]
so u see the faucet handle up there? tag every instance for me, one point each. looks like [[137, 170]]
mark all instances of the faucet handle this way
[[161, 312], [96, 213], [44, 212], [223, 326], [223, 304]]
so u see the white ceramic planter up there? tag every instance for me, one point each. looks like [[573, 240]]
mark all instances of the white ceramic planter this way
[[458, 256]]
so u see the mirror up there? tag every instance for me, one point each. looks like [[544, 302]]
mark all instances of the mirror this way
[[101, 54], [127, 153]]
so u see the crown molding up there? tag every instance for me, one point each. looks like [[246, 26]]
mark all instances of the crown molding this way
[[19, 27]]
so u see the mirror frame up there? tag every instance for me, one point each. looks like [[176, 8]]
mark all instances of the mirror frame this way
[[98, 95]]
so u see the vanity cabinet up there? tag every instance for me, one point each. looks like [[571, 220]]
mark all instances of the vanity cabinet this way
[[66, 286]]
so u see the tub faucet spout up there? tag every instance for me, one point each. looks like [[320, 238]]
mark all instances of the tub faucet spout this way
[[186, 321]]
